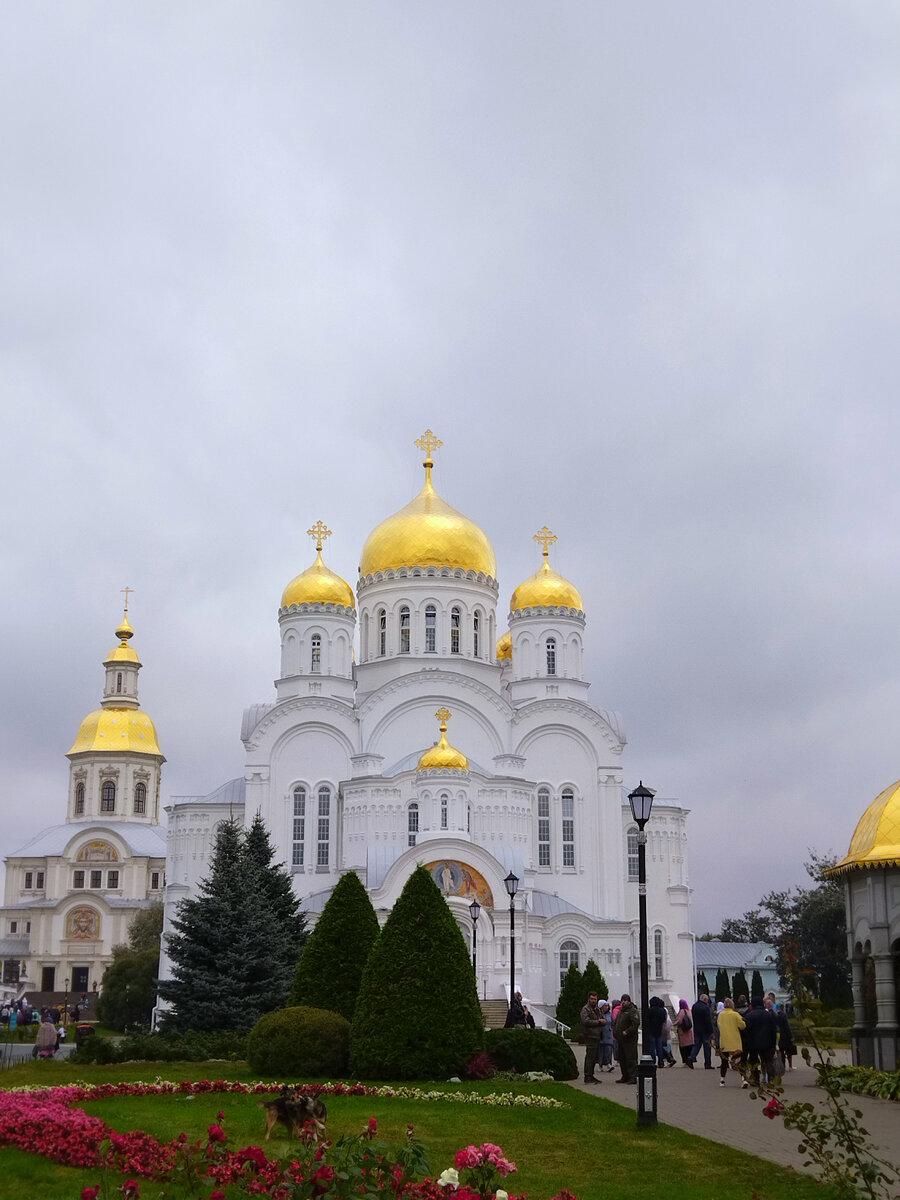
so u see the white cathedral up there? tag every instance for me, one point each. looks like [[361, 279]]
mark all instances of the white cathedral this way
[[403, 731]]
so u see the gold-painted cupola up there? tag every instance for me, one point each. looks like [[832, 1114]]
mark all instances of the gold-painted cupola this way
[[546, 588], [876, 839], [428, 533], [318, 584], [443, 756]]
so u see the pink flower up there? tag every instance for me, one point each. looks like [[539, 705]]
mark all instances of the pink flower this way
[[216, 1133], [371, 1129], [90, 1193], [772, 1109], [131, 1190], [468, 1157]]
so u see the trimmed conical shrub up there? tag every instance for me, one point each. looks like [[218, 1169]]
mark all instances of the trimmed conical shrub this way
[[417, 1015], [331, 966], [740, 985], [593, 981], [756, 984], [722, 989], [572, 998]]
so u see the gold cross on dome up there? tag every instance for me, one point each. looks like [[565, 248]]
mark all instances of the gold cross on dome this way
[[443, 715], [428, 443], [320, 532], [546, 539], [127, 591]]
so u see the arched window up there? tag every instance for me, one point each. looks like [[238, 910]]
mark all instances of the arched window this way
[[658, 972], [315, 664], [454, 630], [404, 630], [632, 849], [551, 656], [445, 810], [468, 818], [299, 829], [382, 632], [543, 804], [79, 799], [476, 635], [412, 824], [140, 798], [568, 956], [567, 805], [430, 629], [324, 828], [119, 682], [108, 797]]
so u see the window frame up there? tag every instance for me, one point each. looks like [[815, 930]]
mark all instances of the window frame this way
[[323, 827], [108, 796], [550, 648], [79, 799], [632, 854], [455, 626], [543, 828], [404, 618], [298, 826], [567, 948], [430, 629], [567, 826], [315, 654], [412, 823], [140, 799]]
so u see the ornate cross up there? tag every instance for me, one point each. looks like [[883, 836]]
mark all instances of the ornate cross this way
[[127, 591], [428, 443], [546, 539], [320, 532], [443, 715]]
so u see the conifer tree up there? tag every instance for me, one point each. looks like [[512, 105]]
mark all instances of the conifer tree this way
[[702, 984], [331, 966], [721, 984], [739, 985], [571, 1001], [756, 984], [283, 935], [593, 981], [417, 1015]]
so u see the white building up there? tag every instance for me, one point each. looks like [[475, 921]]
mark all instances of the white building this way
[[72, 891], [404, 730]]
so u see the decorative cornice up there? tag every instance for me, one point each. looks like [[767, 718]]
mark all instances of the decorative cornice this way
[[432, 678], [275, 714], [337, 610], [550, 610], [432, 572]]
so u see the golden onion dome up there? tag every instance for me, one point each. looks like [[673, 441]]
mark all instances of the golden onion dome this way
[[546, 588], [126, 729], [443, 756], [318, 584], [123, 652], [504, 646], [428, 533], [876, 839]]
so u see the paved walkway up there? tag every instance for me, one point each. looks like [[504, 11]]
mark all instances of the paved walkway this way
[[693, 1101]]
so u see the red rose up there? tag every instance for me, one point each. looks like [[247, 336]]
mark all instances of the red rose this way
[[90, 1193], [216, 1133]]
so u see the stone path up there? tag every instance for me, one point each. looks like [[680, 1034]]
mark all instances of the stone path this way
[[694, 1101]]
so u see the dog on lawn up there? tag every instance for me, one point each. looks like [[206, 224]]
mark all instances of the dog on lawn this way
[[293, 1109]]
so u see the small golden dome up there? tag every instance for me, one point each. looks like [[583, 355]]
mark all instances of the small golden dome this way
[[876, 839], [123, 652], [504, 647], [125, 729], [443, 755], [428, 533], [546, 588], [318, 584]]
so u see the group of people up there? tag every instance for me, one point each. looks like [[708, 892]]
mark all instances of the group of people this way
[[754, 1039]]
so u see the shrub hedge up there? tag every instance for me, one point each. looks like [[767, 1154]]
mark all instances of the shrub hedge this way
[[531, 1050], [299, 1041], [193, 1046]]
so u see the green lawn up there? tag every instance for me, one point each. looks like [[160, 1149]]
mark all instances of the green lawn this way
[[592, 1147]]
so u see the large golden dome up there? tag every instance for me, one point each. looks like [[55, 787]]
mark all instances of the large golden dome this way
[[443, 755], [126, 729], [876, 839], [546, 588], [318, 584], [428, 533]]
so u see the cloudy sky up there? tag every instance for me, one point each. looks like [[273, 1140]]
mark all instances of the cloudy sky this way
[[636, 265]]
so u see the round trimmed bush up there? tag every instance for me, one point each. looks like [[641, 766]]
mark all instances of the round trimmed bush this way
[[531, 1050], [299, 1041]]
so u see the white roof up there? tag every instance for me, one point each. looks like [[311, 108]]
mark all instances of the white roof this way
[[141, 840]]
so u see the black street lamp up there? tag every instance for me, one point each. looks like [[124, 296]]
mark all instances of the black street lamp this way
[[511, 883], [641, 801], [65, 1002], [475, 910]]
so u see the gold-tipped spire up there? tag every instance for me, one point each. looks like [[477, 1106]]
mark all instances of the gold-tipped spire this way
[[319, 533], [545, 540], [318, 584], [546, 588], [428, 443]]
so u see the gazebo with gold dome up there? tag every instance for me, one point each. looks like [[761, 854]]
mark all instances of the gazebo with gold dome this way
[[870, 872]]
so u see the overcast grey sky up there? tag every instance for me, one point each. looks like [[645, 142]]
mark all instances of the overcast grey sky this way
[[636, 265]]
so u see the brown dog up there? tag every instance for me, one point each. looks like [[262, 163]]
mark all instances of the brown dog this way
[[293, 1109]]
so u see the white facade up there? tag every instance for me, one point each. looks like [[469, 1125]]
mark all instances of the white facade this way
[[343, 767]]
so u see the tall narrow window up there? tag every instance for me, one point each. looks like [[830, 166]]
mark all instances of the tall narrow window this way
[[551, 656], [299, 830], [568, 827], [315, 654], [445, 810], [382, 632], [657, 954], [119, 682], [543, 801], [468, 818], [96, 879], [324, 827], [632, 851], [79, 799], [29, 880], [476, 635], [412, 824], [155, 877], [112, 880], [430, 629], [568, 956], [108, 797], [140, 798], [404, 630], [39, 881], [454, 631], [78, 879]]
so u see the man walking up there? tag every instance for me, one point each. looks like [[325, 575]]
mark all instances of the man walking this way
[[592, 1024], [701, 1014], [626, 1030]]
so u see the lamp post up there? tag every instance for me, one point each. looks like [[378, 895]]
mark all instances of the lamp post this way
[[475, 910], [65, 1002], [641, 801], [511, 883]]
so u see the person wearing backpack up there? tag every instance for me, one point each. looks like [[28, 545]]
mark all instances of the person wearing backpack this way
[[684, 1027]]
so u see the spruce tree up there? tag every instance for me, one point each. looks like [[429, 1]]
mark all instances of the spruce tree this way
[[331, 966], [721, 984], [571, 1000], [593, 981], [417, 1014], [756, 984], [739, 985], [282, 937]]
